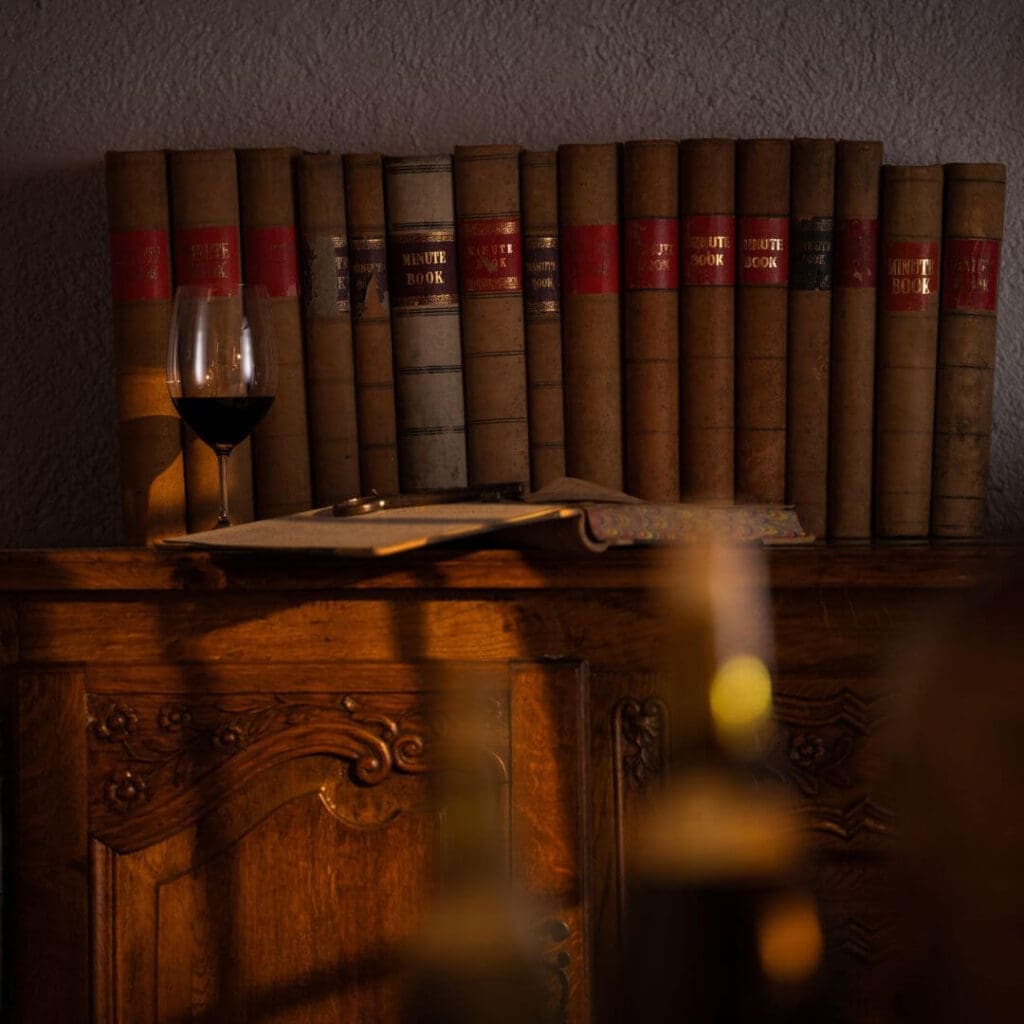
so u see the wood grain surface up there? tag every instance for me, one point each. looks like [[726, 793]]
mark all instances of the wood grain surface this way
[[221, 774]]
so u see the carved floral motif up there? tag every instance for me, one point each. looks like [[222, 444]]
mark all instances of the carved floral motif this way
[[817, 747], [118, 722], [818, 737], [173, 717], [806, 750], [179, 742], [125, 790], [813, 759], [640, 738]]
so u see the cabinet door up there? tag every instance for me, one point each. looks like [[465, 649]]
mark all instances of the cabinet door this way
[[269, 855], [829, 749]]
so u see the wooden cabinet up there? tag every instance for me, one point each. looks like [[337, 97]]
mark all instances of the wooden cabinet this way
[[220, 803]]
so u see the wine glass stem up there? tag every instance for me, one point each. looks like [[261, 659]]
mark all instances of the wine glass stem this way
[[222, 474]]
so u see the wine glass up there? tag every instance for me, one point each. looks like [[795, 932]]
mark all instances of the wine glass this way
[[222, 367]]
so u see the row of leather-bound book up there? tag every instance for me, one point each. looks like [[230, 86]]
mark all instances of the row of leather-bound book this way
[[765, 321]]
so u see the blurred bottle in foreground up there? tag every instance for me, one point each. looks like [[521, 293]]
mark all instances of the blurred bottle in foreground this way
[[718, 924], [479, 959], [960, 852]]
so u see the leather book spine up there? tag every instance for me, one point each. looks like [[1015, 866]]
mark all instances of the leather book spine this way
[[371, 323], [588, 207], [149, 431], [854, 315], [423, 273], [809, 321], [490, 261], [972, 236], [650, 224], [707, 234], [907, 343], [266, 184], [542, 313], [207, 251], [330, 372], [762, 205]]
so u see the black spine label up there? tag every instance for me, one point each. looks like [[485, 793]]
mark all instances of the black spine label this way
[[369, 277], [541, 285], [810, 268], [325, 276]]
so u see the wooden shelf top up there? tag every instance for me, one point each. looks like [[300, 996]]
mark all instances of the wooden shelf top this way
[[903, 566]]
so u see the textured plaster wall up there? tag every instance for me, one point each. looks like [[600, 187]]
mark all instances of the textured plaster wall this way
[[935, 81]]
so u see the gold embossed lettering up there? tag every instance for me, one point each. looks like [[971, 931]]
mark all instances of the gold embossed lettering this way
[[422, 259], [762, 244], [707, 259], [708, 242], [425, 277]]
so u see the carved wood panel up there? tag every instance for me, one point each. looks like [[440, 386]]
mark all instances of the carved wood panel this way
[[262, 856], [156, 765], [280, 904], [829, 749], [628, 745]]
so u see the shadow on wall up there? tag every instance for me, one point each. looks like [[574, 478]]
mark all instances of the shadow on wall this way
[[58, 458]]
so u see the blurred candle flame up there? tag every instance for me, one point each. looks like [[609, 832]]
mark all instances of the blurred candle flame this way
[[741, 703], [789, 939]]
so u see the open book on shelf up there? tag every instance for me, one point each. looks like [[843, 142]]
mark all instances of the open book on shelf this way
[[568, 515]]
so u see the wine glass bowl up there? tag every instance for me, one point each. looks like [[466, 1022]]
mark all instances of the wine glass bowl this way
[[222, 367]]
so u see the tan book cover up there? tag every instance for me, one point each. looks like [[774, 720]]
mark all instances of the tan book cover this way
[[542, 308], [907, 343], [424, 284], [972, 234], [650, 225], [330, 371], [588, 206], [809, 322], [854, 317], [490, 259], [762, 272], [207, 250], [266, 183], [371, 323], [707, 238], [149, 431]]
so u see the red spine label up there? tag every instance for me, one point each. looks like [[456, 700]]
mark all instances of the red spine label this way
[[764, 250], [590, 259], [911, 276], [422, 270], [856, 254], [208, 256], [271, 260], [970, 275], [490, 255], [709, 249], [140, 266], [652, 253]]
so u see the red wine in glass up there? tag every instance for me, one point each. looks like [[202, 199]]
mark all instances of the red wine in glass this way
[[223, 422], [222, 367]]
